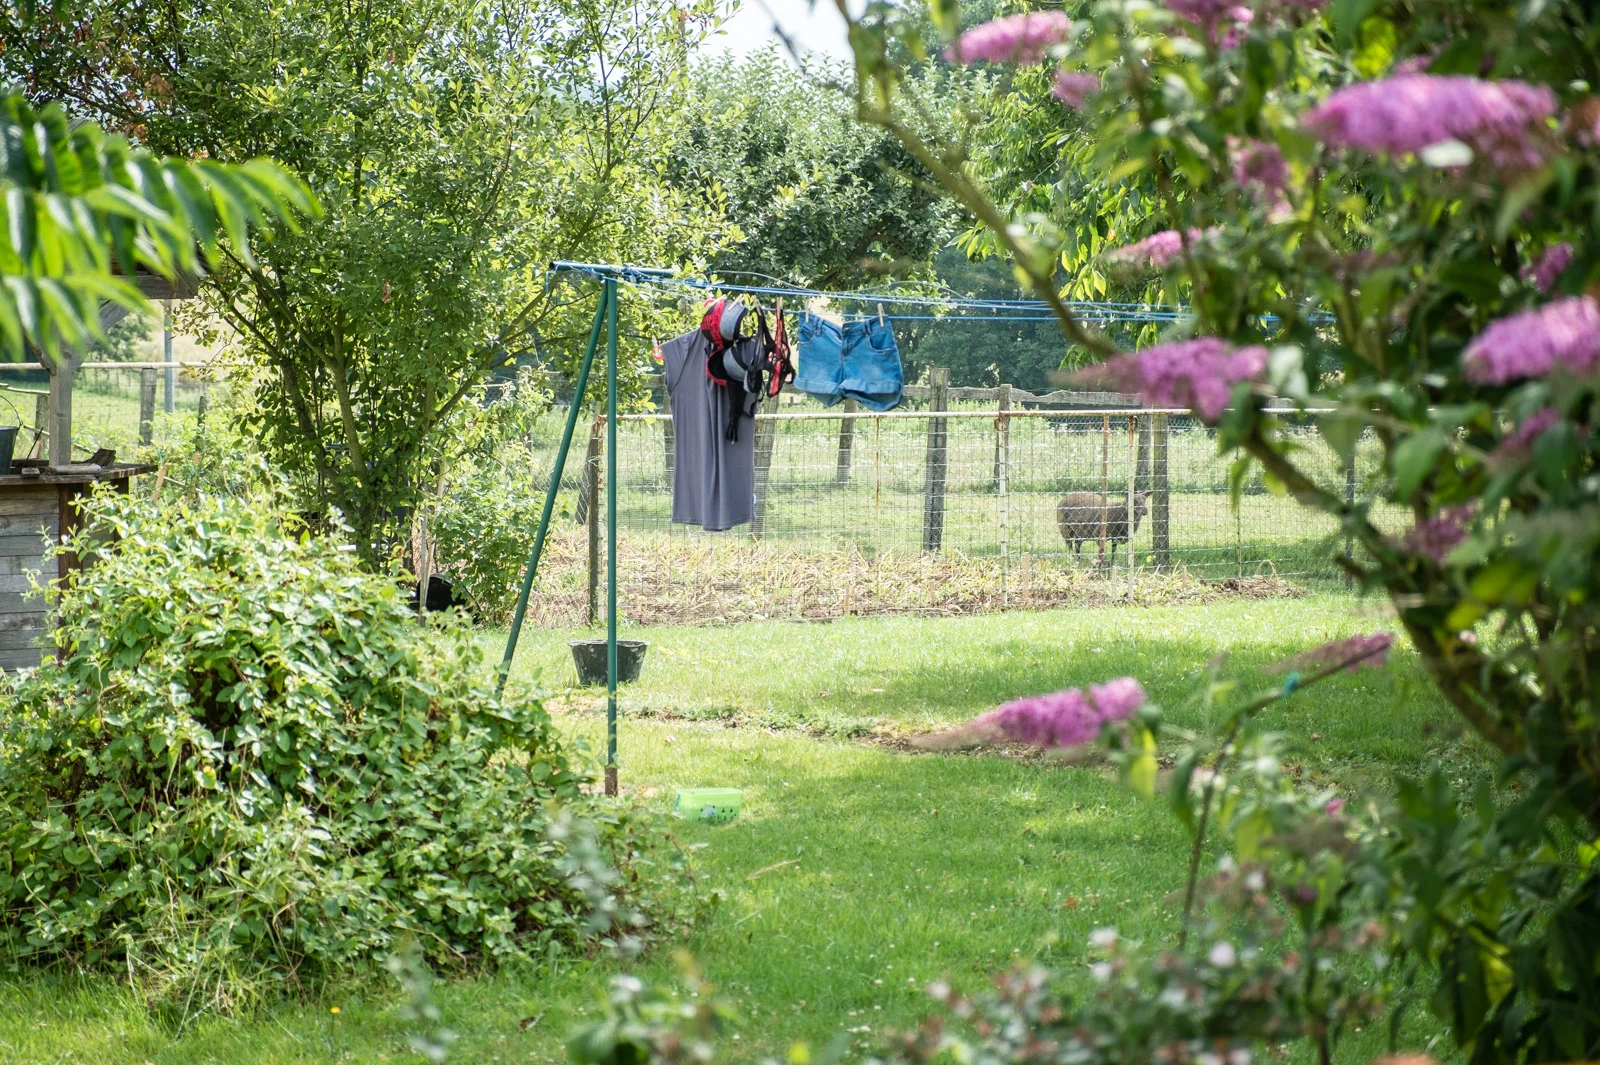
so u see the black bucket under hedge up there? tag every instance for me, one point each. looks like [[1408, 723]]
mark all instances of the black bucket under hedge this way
[[590, 658]]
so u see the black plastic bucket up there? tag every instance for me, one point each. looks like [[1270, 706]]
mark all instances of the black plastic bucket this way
[[8, 444], [590, 658]]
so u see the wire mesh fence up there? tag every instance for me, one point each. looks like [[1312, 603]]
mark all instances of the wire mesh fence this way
[[951, 510], [111, 404]]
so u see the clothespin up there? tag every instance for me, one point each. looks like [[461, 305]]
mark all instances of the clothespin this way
[[881, 320], [655, 350]]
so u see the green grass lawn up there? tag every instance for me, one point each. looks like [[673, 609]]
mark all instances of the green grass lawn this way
[[901, 866]]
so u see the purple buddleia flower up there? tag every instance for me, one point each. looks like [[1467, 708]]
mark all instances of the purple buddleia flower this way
[[1353, 653], [1198, 374], [1206, 14], [1546, 270], [1434, 538], [1561, 335], [1518, 443], [1065, 718], [1260, 167], [1501, 121], [1014, 39], [1157, 250], [1073, 88]]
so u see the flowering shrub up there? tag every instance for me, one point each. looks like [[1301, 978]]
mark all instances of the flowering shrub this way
[[1383, 213], [256, 768]]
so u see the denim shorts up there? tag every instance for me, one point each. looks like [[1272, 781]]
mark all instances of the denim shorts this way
[[859, 361]]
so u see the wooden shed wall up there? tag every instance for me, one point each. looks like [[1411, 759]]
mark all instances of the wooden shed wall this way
[[29, 522]]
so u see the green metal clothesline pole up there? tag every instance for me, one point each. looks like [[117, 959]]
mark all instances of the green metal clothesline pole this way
[[610, 299], [608, 295]]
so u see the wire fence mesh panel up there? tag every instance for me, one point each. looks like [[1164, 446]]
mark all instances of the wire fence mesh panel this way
[[110, 404], [968, 509]]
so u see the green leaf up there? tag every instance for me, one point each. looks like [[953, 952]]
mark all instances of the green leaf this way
[[1141, 772], [1414, 459], [946, 17]]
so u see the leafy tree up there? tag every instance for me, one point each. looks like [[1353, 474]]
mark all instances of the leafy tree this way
[[457, 150], [818, 198], [1383, 212]]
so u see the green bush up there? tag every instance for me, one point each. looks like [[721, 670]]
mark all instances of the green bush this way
[[255, 766]]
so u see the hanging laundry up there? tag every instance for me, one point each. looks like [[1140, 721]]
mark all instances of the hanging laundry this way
[[714, 478], [858, 360]]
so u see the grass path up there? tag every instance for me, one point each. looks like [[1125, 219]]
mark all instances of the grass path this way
[[902, 866]]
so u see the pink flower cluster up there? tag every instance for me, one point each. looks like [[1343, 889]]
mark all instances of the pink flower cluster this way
[[1157, 250], [1260, 167], [1014, 39], [1497, 119], [1547, 269], [1519, 442], [1073, 88], [1353, 653], [1564, 334], [1198, 374], [1065, 718], [1434, 538]]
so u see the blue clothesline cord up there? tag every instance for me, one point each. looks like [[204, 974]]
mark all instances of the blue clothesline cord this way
[[1002, 310]]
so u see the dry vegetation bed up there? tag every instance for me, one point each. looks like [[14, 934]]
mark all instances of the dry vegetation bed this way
[[696, 581]]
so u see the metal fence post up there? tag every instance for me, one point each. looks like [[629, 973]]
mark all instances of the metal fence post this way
[[1161, 501], [591, 500], [1133, 480], [147, 406], [937, 460], [1105, 486], [611, 536]]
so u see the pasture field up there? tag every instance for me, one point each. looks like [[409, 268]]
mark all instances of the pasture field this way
[[857, 871]]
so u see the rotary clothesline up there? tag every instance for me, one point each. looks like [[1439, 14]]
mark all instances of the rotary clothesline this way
[[666, 282], [1017, 310]]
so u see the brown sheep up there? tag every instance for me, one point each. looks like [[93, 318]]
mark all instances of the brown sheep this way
[[1079, 515]]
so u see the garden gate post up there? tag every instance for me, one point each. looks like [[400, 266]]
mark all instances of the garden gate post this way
[[41, 425], [847, 444], [1002, 476], [937, 460], [1161, 501], [550, 495], [147, 406], [766, 440], [169, 398], [1105, 488]]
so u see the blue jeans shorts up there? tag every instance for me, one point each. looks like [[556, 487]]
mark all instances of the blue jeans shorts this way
[[860, 361]]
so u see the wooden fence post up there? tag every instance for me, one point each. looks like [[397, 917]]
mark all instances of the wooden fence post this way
[[1002, 436], [937, 461], [1349, 501], [1105, 487], [847, 444], [147, 406], [1161, 501], [41, 426], [669, 434], [766, 440], [589, 503]]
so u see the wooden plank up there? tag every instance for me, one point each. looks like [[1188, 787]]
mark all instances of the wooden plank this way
[[41, 524], [15, 583], [937, 463], [22, 658], [23, 545], [34, 622], [21, 640], [36, 499], [11, 565]]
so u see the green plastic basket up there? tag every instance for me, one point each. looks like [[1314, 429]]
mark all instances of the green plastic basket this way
[[717, 806]]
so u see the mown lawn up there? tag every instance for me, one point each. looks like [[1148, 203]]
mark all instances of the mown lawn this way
[[900, 866]]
